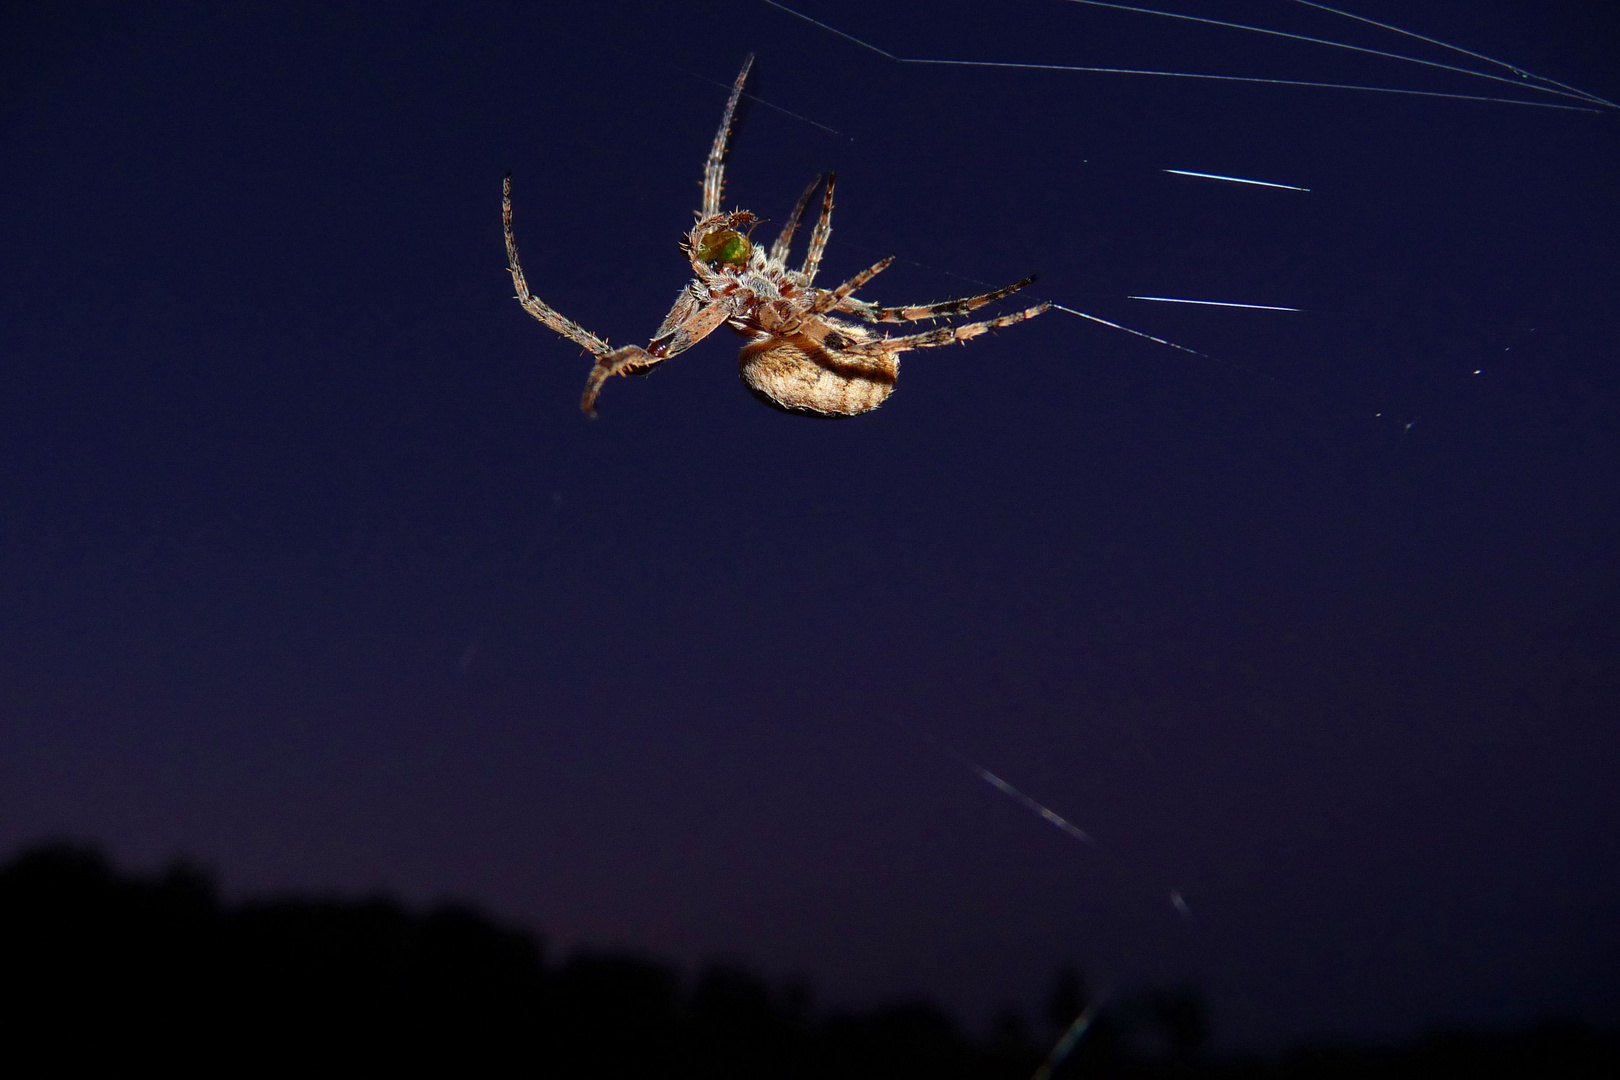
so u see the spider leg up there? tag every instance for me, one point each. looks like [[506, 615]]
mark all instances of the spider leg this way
[[834, 297], [714, 172], [685, 305], [703, 322], [633, 359], [779, 250], [818, 238], [626, 361], [684, 326], [533, 304], [945, 335], [870, 312]]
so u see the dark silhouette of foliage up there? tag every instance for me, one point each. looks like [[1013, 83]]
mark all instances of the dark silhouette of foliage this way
[[1065, 1000], [109, 969]]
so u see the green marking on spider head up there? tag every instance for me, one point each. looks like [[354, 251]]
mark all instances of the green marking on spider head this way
[[725, 247]]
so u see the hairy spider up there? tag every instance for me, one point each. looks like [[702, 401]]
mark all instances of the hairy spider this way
[[799, 356]]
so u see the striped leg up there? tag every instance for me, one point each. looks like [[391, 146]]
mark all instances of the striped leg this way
[[945, 335], [714, 172], [686, 324], [633, 359], [626, 361], [533, 304], [833, 297], [818, 238], [961, 306], [779, 250]]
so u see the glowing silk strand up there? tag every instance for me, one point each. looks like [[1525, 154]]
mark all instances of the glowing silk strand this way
[[1214, 303], [1234, 179], [1566, 92], [1201, 75]]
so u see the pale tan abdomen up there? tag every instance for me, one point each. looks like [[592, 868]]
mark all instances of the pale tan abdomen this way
[[814, 380]]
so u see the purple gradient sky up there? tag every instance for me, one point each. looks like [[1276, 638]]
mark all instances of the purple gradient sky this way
[[314, 572]]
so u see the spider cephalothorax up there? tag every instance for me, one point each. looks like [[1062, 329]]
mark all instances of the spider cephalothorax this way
[[800, 354]]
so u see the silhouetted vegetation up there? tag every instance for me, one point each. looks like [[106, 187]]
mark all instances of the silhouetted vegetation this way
[[104, 967]]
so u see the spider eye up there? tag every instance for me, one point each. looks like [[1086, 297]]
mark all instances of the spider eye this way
[[725, 246]]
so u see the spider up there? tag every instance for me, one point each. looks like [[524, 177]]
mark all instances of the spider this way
[[799, 355]]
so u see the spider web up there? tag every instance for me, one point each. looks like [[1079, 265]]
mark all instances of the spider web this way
[[1501, 83], [1421, 70], [1137, 309]]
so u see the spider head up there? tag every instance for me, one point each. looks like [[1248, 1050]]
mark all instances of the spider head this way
[[722, 240]]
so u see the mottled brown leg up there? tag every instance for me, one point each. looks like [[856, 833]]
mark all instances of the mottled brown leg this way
[[784, 242], [818, 238], [945, 335], [633, 359], [533, 304], [714, 172], [625, 361], [833, 297], [703, 322], [961, 306]]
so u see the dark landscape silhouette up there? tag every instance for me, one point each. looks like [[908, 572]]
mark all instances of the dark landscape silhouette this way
[[112, 967]]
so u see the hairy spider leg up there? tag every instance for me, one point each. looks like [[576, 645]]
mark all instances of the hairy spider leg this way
[[685, 326], [703, 322], [945, 335], [779, 250], [689, 300], [818, 238], [714, 172], [533, 304], [633, 359], [870, 312], [833, 297], [626, 361]]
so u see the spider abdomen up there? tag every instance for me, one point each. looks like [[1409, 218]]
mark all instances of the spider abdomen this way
[[801, 376]]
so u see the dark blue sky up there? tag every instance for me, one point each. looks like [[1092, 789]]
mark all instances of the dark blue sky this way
[[312, 570]]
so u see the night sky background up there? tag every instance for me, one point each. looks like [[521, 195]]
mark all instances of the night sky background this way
[[312, 570]]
